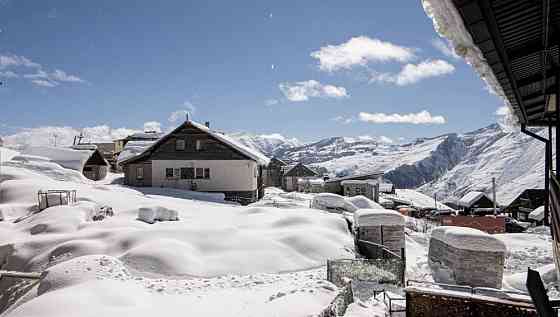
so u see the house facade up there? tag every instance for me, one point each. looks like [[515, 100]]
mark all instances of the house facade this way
[[293, 175], [193, 157], [273, 172]]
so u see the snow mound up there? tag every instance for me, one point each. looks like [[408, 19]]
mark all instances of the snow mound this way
[[65, 157], [468, 239], [377, 217], [157, 213], [7, 154], [332, 202]]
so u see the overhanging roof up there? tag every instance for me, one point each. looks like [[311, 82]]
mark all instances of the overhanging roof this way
[[511, 36]]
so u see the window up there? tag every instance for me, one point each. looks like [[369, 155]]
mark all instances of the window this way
[[199, 172], [180, 145], [187, 173], [139, 173], [206, 173], [199, 145], [169, 173]]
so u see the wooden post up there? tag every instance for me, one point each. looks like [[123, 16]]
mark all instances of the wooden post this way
[[494, 194]]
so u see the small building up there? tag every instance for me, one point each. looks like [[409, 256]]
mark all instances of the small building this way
[[382, 227], [84, 158], [537, 216], [139, 136], [194, 157], [367, 188], [466, 256], [474, 200], [133, 145], [525, 203], [273, 172], [311, 185], [334, 185], [293, 174]]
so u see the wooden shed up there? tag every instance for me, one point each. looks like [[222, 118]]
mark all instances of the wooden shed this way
[[382, 227], [293, 174], [273, 172]]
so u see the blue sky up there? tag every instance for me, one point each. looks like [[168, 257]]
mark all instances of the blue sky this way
[[305, 69]]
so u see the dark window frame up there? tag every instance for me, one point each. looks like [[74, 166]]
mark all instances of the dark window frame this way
[[206, 173], [140, 173], [199, 173], [167, 172]]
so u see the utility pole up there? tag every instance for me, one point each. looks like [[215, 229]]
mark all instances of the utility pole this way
[[494, 194], [435, 200], [55, 136]]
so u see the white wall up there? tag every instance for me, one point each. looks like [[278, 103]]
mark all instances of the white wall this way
[[225, 175]]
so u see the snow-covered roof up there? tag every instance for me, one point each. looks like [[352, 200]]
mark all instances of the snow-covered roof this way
[[470, 198], [353, 182], [260, 158], [449, 24], [66, 157], [312, 181], [385, 187], [537, 214], [468, 239], [253, 154], [145, 135], [377, 217], [133, 148]]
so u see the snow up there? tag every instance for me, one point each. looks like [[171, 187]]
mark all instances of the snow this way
[[312, 181], [329, 201], [377, 217], [537, 214], [468, 239], [362, 202], [133, 148], [470, 198], [6, 154], [415, 199], [65, 157]]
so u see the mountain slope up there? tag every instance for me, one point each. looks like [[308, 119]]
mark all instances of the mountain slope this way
[[449, 165]]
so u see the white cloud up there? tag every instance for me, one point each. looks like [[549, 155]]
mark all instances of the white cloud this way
[[303, 90], [385, 139], [413, 73], [343, 119], [16, 61], [445, 48], [45, 136], [360, 51], [503, 111], [181, 114], [8, 74], [44, 83], [60, 75], [271, 102], [422, 117], [152, 126]]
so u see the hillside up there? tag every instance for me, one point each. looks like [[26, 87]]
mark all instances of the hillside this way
[[449, 165]]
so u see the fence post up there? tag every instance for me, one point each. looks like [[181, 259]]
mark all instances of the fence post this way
[[403, 266]]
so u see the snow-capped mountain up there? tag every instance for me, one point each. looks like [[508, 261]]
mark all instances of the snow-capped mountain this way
[[449, 165], [268, 144]]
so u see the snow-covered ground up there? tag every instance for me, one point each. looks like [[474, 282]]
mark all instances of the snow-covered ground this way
[[267, 259]]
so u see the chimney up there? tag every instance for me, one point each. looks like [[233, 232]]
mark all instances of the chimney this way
[[187, 117], [207, 124]]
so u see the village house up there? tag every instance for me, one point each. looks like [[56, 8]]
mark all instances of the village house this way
[[525, 203], [193, 157], [367, 188], [294, 174], [334, 185], [84, 158], [474, 200], [273, 173]]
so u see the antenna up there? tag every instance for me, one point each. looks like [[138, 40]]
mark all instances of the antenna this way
[[55, 136], [187, 116]]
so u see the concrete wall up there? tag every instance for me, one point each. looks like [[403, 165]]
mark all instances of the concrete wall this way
[[225, 175], [465, 267]]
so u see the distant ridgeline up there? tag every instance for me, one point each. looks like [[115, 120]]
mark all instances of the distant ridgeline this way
[[449, 165]]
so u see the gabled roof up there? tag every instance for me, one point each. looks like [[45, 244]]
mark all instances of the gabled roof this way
[[71, 158], [251, 154], [470, 198], [300, 170], [358, 177]]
